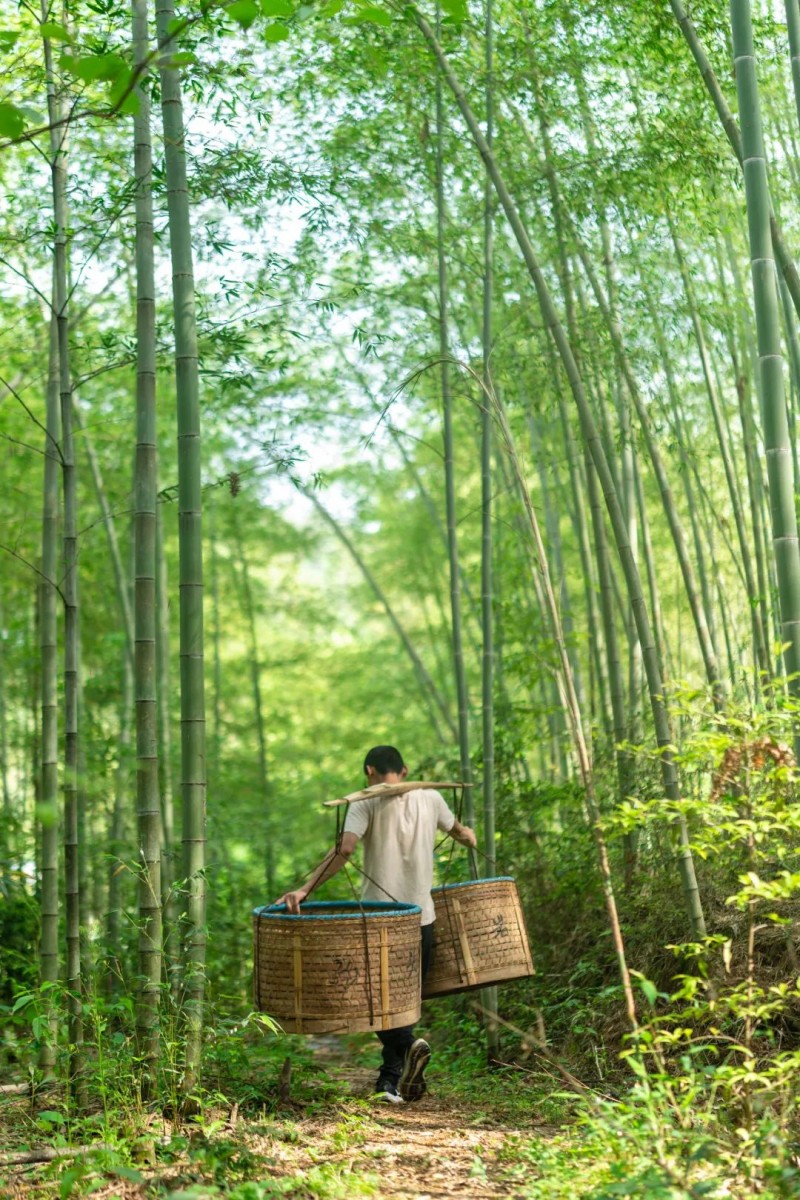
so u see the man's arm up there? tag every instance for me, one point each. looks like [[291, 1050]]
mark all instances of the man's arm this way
[[333, 861], [463, 834]]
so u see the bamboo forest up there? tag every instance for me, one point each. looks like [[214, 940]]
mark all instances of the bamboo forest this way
[[400, 423]]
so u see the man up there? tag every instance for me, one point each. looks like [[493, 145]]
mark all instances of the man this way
[[399, 834]]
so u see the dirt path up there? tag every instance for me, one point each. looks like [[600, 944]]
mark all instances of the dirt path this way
[[426, 1150]]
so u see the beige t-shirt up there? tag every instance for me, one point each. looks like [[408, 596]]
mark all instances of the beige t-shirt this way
[[399, 835]]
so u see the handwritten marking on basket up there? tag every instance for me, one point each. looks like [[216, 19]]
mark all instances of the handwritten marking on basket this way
[[464, 942], [297, 944], [384, 976], [500, 929], [345, 973]]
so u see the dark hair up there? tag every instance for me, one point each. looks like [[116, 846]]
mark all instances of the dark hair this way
[[384, 759]]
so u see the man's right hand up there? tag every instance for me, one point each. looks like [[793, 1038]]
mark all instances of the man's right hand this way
[[293, 900]]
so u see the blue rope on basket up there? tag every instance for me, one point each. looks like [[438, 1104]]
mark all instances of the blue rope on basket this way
[[346, 910], [471, 882]]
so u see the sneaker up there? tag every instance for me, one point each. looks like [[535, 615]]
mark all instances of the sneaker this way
[[412, 1081], [386, 1091]]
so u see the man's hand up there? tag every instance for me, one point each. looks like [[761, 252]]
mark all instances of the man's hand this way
[[293, 900], [464, 835]]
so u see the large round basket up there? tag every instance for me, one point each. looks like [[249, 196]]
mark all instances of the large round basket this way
[[480, 937], [338, 967]]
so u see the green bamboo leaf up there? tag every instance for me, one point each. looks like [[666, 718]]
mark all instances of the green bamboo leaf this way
[[277, 32], [276, 8], [117, 95], [127, 1173], [243, 11], [650, 990], [378, 16], [94, 68], [12, 121], [8, 39], [455, 10], [55, 32]]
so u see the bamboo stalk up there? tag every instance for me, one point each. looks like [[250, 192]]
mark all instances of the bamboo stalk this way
[[781, 252], [459, 670], [58, 166], [190, 542], [488, 995], [48, 648], [148, 799], [786, 548]]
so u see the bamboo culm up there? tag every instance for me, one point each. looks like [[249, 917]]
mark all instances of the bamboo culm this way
[[190, 547], [148, 800], [728, 122], [765, 296], [58, 165], [48, 644], [449, 470]]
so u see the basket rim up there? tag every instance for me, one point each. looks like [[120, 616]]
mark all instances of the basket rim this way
[[448, 887], [357, 910]]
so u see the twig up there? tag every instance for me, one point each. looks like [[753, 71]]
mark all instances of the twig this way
[[545, 1052], [49, 1153]]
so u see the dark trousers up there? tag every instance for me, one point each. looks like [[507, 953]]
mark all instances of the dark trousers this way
[[397, 1042]]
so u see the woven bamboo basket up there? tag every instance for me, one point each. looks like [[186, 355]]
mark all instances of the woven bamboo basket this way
[[338, 967], [480, 937]]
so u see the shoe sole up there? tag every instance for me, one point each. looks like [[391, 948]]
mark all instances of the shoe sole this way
[[412, 1082], [387, 1098]]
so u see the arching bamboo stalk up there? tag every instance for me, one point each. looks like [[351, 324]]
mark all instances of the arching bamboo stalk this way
[[633, 581], [759, 642], [564, 679], [433, 698]]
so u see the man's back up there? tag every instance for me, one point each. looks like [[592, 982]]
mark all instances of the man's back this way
[[399, 834]]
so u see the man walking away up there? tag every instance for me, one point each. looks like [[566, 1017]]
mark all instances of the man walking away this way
[[399, 835]]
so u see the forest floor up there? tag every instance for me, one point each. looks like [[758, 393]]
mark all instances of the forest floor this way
[[329, 1139]]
